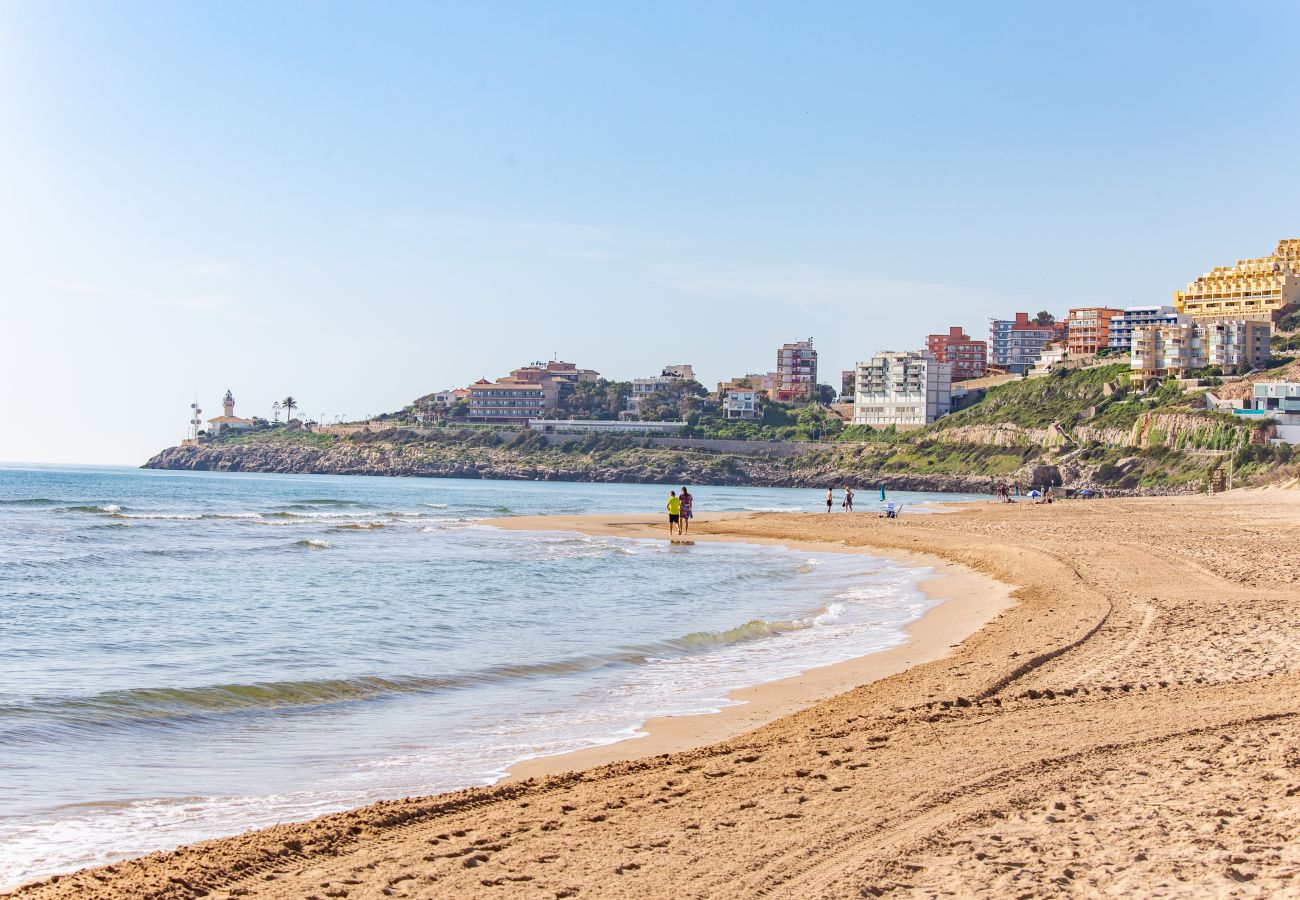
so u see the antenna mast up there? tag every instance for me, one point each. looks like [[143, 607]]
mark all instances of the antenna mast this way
[[195, 420]]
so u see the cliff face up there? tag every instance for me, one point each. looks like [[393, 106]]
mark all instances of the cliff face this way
[[952, 467], [634, 465]]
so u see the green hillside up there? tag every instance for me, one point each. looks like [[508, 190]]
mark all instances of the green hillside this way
[[1067, 397]]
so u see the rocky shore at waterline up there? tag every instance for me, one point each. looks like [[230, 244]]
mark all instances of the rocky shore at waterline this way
[[624, 460]]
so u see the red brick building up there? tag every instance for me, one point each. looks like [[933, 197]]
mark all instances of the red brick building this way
[[968, 358]]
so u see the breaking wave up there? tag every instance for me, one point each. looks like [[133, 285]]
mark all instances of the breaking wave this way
[[127, 708]]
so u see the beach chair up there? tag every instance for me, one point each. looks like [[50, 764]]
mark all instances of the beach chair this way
[[892, 509]]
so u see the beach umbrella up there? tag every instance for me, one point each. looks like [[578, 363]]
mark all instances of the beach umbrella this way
[[1035, 493], [882, 493]]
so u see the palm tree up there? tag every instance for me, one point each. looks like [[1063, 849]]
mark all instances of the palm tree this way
[[289, 404]]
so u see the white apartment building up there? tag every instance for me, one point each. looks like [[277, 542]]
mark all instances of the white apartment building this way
[[904, 389], [742, 403]]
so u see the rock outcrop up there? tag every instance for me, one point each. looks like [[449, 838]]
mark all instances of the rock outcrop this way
[[638, 465], [628, 461]]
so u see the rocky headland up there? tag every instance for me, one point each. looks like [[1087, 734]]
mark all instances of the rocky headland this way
[[963, 467]]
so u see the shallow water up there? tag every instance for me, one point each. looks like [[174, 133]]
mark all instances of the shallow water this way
[[186, 655]]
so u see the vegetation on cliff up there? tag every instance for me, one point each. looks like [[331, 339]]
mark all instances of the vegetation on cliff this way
[[1083, 428]]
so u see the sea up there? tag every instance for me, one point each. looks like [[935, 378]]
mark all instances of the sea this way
[[185, 655]]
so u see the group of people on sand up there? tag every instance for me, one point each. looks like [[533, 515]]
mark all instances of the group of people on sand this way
[[681, 507], [1045, 496], [848, 499], [680, 511]]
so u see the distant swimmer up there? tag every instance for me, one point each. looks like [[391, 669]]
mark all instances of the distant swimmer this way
[[674, 513]]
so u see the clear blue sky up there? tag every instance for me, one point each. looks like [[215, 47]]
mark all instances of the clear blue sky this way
[[358, 204]]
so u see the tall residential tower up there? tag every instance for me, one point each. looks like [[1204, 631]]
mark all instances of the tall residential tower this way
[[796, 371]]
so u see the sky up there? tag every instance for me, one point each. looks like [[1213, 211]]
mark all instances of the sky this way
[[357, 204]]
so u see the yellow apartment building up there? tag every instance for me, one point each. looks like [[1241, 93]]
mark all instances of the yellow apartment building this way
[[1262, 289]]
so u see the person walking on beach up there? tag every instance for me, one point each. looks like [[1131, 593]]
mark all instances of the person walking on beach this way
[[674, 513], [848, 499], [830, 498], [687, 500]]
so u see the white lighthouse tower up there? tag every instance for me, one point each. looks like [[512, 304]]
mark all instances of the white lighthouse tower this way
[[228, 419]]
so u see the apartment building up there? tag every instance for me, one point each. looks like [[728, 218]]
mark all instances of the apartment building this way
[[742, 403], [1169, 349], [1131, 317], [1261, 289], [1015, 344], [1087, 329], [510, 401], [528, 392], [904, 389], [1178, 348], [968, 358], [1239, 345], [796, 372]]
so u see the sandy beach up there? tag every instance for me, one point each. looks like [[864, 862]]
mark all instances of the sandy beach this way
[[967, 601], [1107, 704]]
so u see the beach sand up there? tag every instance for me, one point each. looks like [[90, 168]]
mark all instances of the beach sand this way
[[1129, 725], [969, 600]]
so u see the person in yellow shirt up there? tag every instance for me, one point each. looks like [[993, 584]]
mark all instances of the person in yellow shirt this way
[[674, 513]]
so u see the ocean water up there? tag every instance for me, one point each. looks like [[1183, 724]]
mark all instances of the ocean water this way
[[188, 655]]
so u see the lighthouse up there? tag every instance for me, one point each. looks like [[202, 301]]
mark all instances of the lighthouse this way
[[228, 419]]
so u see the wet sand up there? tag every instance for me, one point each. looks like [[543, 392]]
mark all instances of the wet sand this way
[[968, 601], [1129, 726]]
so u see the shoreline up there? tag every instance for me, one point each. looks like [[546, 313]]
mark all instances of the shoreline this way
[[964, 601], [1127, 727]]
